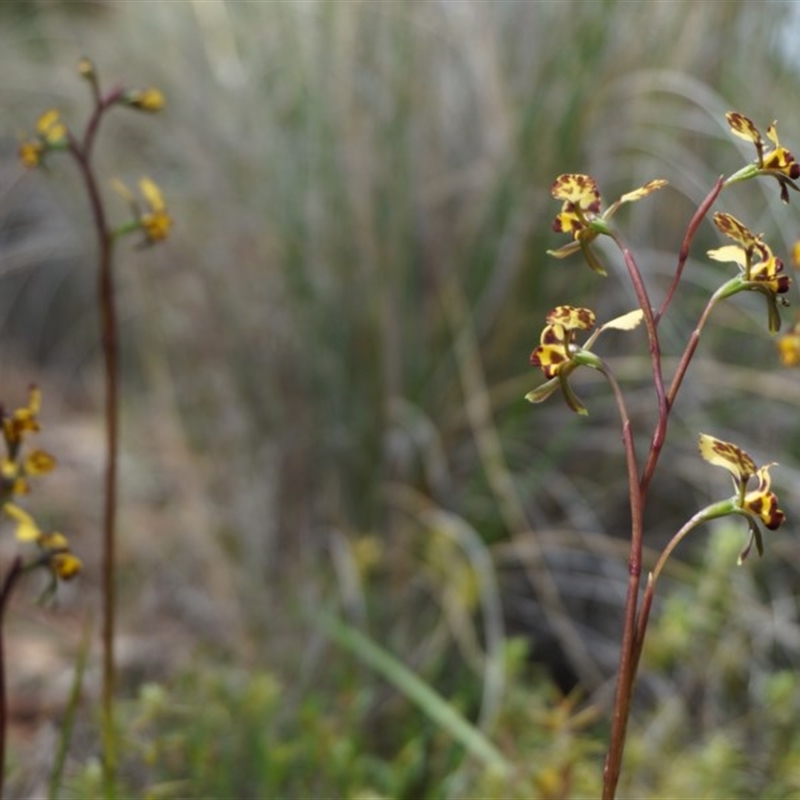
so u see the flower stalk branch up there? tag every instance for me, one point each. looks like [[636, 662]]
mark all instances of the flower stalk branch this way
[[559, 355], [154, 222]]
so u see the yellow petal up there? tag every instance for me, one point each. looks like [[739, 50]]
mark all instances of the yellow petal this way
[[27, 529], [729, 253], [152, 194], [743, 127], [65, 565], [551, 358], [772, 133], [54, 541], [50, 127], [728, 456], [568, 222], [150, 99], [738, 231], [789, 349], [553, 335], [31, 152], [579, 190], [39, 462], [626, 322], [643, 191], [571, 318]]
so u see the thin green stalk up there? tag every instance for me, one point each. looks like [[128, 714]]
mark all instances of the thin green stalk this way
[[69, 717], [710, 512], [419, 692]]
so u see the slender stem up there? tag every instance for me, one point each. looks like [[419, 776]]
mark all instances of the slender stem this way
[[715, 510], [5, 593], [635, 624], [627, 663], [691, 230], [659, 434], [691, 346], [108, 333]]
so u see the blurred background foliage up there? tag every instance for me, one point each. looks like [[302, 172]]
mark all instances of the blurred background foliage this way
[[324, 377]]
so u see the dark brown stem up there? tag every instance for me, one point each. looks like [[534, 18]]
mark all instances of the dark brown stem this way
[[688, 353], [626, 672], [660, 432], [652, 579], [635, 622], [627, 663], [5, 593], [691, 230], [108, 333]]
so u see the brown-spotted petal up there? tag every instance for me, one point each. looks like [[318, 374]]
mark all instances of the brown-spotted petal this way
[[763, 503], [579, 190], [550, 358], [728, 456], [643, 191], [736, 230], [743, 127], [572, 318]]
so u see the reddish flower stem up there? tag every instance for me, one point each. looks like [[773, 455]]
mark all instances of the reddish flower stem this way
[[626, 671], [691, 230], [635, 620], [108, 333], [688, 353]]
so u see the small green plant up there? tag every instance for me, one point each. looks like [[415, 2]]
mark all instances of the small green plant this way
[[559, 355], [152, 223]]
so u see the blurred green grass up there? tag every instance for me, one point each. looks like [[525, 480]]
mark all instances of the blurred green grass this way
[[336, 338]]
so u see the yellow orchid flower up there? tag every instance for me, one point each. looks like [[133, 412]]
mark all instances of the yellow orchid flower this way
[[759, 504], [558, 354], [789, 347], [51, 134], [777, 161], [154, 219], [581, 216], [23, 420], [27, 529], [150, 99], [760, 270]]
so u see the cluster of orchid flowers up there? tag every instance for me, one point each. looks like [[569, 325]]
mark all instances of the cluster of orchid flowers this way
[[18, 466], [559, 352], [149, 212]]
